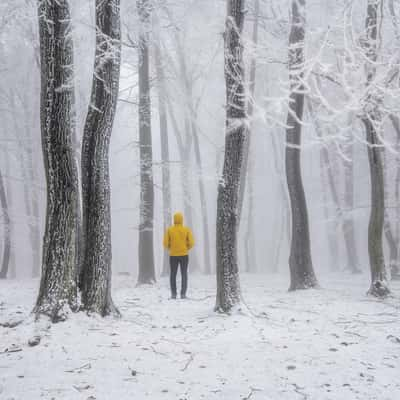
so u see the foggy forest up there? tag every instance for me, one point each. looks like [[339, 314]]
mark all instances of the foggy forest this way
[[200, 199]]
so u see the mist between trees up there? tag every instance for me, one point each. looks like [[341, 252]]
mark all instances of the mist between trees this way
[[272, 125]]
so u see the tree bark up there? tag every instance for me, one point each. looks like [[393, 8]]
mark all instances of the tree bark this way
[[96, 216], [58, 284], [147, 273], [302, 274], [228, 286], [7, 230], [372, 122]]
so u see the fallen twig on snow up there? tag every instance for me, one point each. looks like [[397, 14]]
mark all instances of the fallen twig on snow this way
[[191, 358]]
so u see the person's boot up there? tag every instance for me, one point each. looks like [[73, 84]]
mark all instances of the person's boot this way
[[183, 296], [173, 296]]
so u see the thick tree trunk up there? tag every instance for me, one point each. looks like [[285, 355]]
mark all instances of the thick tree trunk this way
[[228, 286], [372, 122], [164, 140], [147, 273], [58, 283], [96, 217], [302, 274], [6, 230]]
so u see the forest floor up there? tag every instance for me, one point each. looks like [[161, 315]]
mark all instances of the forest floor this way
[[334, 343]]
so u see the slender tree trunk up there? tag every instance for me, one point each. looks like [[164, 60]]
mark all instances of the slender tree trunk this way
[[328, 177], [248, 162], [25, 160], [250, 245], [184, 152], [395, 267], [393, 250], [372, 122], [387, 226], [164, 140], [58, 283], [192, 131], [327, 170], [203, 201], [96, 215], [228, 286], [7, 230], [348, 222], [302, 274], [285, 210], [34, 225], [12, 268], [147, 272], [250, 110]]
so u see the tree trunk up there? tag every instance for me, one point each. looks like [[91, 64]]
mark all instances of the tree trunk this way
[[302, 274], [203, 200], [395, 267], [228, 286], [12, 268], [353, 264], [193, 138], [372, 122], [96, 216], [25, 160], [387, 226], [184, 151], [248, 163], [147, 273], [393, 250], [164, 140], [250, 110], [327, 169], [58, 283], [7, 230]]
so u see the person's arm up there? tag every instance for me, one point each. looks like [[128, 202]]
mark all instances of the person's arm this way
[[167, 241], [190, 239]]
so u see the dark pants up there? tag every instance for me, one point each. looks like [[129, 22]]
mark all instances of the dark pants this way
[[175, 262]]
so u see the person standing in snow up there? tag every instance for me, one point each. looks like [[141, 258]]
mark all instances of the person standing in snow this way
[[178, 240]]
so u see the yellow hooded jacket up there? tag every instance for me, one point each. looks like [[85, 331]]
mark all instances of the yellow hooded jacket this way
[[178, 239]]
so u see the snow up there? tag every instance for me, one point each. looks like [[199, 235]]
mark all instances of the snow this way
[[333, 343]]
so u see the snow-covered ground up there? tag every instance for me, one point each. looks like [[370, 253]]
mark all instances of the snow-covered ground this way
[[335, 343]]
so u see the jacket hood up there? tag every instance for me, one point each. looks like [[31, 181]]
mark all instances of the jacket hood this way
[[178, 218]]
